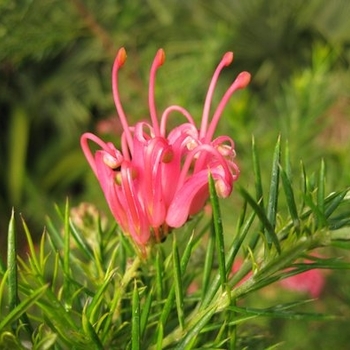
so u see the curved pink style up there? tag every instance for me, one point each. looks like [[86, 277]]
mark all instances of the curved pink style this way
[[158, 179]]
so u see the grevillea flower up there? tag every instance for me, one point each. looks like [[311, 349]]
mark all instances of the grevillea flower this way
[[159, 178]]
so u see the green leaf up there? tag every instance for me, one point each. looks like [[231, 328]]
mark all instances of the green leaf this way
[[262, 216], [160, 336], [288, 191], [55, 236], [135, 319], [12, 265], [236, 245], [318, 214], [125, 250], [98, 298], [3, 285], [9, 341], [218, 231], [232, 253], [208, 262], [2, 267], [21, 308], [169, 303], [159, 264], [34, 261], [66, 238], [272, 202], [80, 241], [195, 329], [259, 195], [145, 313], [115, 305], [91, 333], [333, 201], [303, 185], [282, 311], [45, 341], [321, 187], [287, 162], [257, 174], [178, 284], [12, 278], [267, 273]]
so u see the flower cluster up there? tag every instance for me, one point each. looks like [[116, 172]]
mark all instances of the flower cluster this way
[[159, 178]]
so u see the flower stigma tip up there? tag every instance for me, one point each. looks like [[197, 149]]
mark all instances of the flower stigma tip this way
[[121, 57], [160, 57], [228, 58], [243, 79]]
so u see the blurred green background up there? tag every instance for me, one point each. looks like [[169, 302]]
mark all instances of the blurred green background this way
[[55, 64]]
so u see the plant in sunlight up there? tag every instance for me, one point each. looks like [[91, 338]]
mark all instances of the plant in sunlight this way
[[178, 233], [71, 291]]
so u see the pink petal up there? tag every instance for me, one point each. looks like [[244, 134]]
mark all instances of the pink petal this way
[[179, 209], [190, 198]]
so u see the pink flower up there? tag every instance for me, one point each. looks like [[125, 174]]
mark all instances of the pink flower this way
[[311, 282], [159, 178]]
